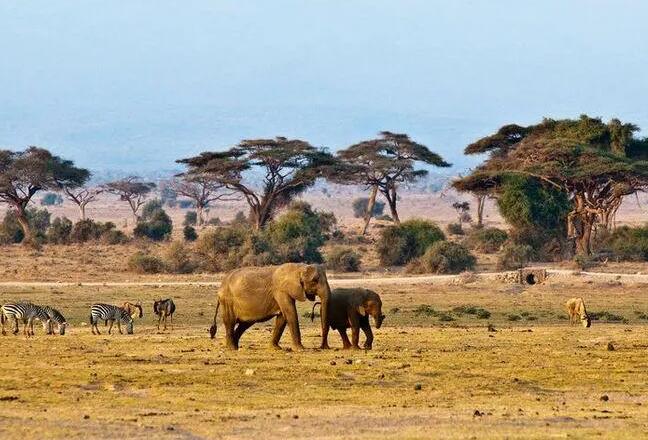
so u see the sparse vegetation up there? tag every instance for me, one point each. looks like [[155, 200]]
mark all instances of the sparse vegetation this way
[[514, 256], [141, 262], [486, 240]]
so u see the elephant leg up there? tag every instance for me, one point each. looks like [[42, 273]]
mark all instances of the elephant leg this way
[[240, 329], [289, 311], [355, 329], [229, 322], [346, 344], [277, 331], [366, 328]]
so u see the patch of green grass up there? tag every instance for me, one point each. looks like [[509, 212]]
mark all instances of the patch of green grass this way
[[425, 310], [478, 312], [513, 317], [607, 316]]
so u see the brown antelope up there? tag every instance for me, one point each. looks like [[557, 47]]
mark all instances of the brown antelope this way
[[576, 310]]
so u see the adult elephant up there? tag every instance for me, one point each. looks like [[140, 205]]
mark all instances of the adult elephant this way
[[256, 294]]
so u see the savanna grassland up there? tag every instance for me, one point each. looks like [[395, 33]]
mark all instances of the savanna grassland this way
[[436, 369]]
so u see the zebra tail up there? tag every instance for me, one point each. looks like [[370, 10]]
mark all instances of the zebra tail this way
[[212, 329]]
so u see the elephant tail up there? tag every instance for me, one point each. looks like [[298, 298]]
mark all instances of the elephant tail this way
[[313, 310], [212, 329]]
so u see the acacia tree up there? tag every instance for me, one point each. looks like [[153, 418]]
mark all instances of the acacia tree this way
[[594, 163], [24, 173], [203, 190], [131, 190], [288, 167], [382, 164], [82, 196]]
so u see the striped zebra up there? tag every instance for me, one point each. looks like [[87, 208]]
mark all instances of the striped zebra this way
[[164, 308], [55, 318], [110, 313], [26, 313]]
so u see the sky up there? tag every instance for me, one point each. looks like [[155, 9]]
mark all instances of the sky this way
[[134, 85]]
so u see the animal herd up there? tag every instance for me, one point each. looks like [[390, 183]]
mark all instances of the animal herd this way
[[247, 296]]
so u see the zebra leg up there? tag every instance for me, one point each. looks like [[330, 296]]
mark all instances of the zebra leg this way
[[16, 329], [119, 327], [165, 319], [159, 319], [171, 317], [110, 327]]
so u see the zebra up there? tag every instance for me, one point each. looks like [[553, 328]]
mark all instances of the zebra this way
[[164, 308], [55, 318], [135, 310], [110, 313], [27, 313]]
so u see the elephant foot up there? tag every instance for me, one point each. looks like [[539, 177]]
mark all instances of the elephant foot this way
[[367, 347], [298, 347], [325, 347], [275, 346], [356, 347]]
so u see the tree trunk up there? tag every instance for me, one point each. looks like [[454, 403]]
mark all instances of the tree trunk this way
[[23, 221], [391, 197], [584, 238], [370, 207], [199, 212], [82, 207], [481, 201]]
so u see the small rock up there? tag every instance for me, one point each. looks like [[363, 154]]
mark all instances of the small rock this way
[[333, 363], [605, 398], [491, 328], [348, 361], [381, 376], [295, 416], [170, 428], [478, 413], [610, 347], [418, 387], [86, 417], [249, 372]]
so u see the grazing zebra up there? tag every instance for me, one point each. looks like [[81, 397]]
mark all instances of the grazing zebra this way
[[26, 313], [164, 308], [110, 313], [132, 310], [55, 318]]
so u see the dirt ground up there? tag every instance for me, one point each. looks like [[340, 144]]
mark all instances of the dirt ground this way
[[436, 371]]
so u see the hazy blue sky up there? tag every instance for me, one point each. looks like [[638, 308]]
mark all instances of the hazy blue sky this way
[[136, 84]]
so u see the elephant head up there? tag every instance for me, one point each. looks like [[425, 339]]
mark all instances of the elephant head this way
[[372, 306], [308, 281]]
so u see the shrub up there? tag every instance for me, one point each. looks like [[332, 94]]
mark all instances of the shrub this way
[[343, 259], [514, 256], [399, 244], [51, 199], [240, 219], [444, 257], [360, 207], [11, 232], [487, 240], [478, 312], [177, 259], [296, 235], [189, 233], [221, 248], [154, 223], [89, 230], [607, 316], [455, 229], [145, 263], [113, 236], [185, 204], [627, 243], [190, 219], [214, 221], [59, 231]]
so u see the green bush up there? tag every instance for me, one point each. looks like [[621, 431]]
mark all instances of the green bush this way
[[177, 259], [360, 205], [39, 222], [443, 257], [628, 243], [144, 263], [190, 219], [214, 221], [455, 229], [486, 240], [154, 223], [189, 233], [399, 244], [297, 235], [240, 219], [514, 256], [343, 259], [221, 248], [89, 230], [59, 231], [113, 236]]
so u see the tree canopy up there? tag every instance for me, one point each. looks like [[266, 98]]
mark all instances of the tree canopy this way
[[131, 190], [24, 173], [288, 167], [595, 163], [383, 163]]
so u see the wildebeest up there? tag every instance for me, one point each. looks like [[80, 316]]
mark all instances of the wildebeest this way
[[576, 310], [163, 308]]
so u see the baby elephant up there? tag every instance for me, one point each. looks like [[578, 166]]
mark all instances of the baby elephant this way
[[576, 310], [351, 308]]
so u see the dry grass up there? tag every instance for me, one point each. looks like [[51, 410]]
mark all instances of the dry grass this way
[[529, 379]]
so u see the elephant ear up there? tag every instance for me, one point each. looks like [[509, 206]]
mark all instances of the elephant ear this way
[[290, 280], [361, 310]]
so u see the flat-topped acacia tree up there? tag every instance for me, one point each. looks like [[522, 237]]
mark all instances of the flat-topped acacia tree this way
[[595, 163], [131, 190], [82, 196], [203, 190], [382, 164], [287, 167], [24, 173]]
